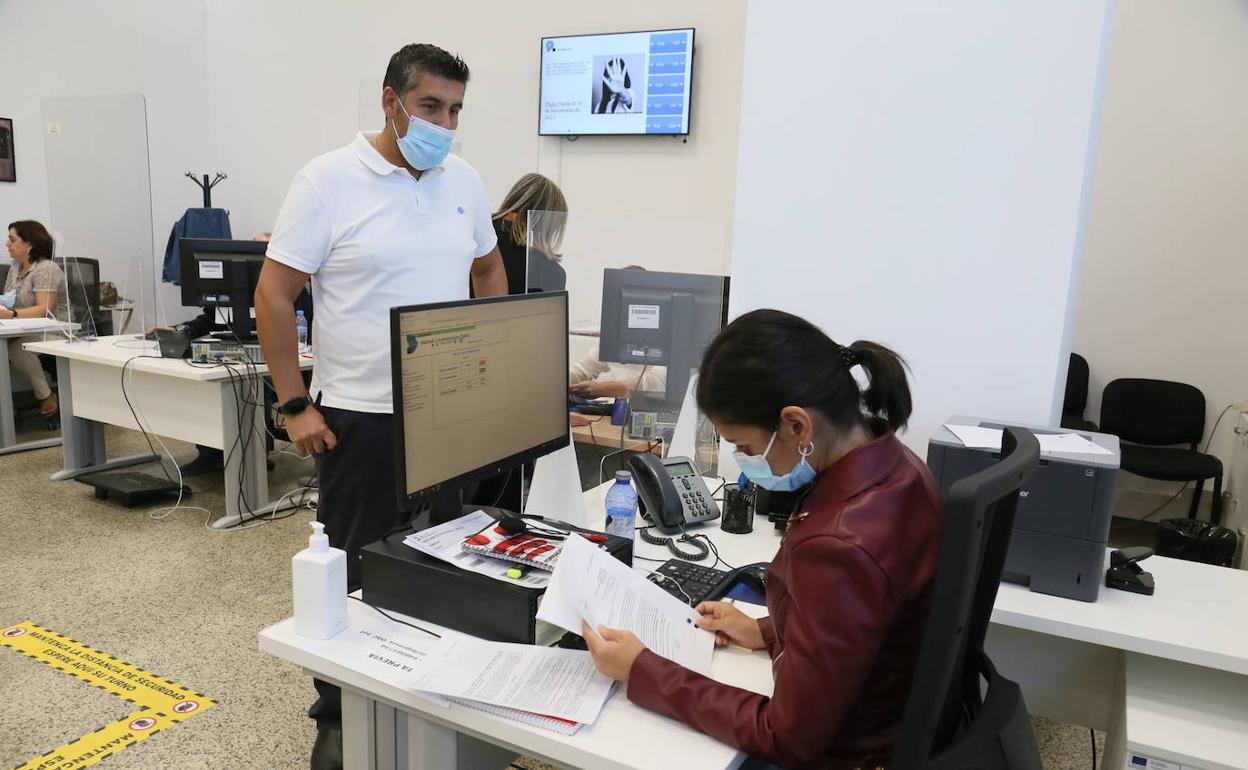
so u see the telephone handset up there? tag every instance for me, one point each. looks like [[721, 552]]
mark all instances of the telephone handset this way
[[672, 492]]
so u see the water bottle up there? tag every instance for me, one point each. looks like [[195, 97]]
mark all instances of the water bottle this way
[[621, 506], [301, 327]]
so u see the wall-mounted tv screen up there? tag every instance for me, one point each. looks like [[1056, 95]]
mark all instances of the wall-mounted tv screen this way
[[620, 84]]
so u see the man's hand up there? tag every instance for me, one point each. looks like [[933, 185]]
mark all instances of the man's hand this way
[[613, 650], [730, 625], [309, 433]]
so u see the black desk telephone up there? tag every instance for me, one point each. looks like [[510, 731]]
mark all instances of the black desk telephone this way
[[672, 492]]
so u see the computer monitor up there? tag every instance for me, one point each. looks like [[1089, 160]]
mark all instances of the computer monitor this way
[[480, 386], [222, 274], [661, 319]]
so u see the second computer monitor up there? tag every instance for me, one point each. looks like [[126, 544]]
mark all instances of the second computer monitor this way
[[661, 319], [222, 274], [480, 386]]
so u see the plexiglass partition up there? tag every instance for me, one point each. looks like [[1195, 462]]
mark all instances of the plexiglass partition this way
[[99, 191], [645, 298]]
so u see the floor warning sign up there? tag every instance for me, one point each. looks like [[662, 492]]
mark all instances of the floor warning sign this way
[[161, 702]]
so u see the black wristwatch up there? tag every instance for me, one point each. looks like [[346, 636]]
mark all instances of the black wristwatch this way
[[294, 406]]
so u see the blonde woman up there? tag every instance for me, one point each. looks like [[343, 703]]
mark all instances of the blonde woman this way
[[516, 240]]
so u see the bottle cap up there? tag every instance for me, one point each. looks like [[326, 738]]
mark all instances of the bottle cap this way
[[623, 475], [318, 541]]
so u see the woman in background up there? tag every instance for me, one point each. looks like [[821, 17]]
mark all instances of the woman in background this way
[[519, 239], [36, 286]]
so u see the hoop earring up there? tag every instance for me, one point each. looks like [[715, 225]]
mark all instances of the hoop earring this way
[[808, 450]]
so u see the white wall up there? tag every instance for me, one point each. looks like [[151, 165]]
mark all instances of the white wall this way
[[1163, 289], [915, 173], [257, 89]]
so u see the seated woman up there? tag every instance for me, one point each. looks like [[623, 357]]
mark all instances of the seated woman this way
[[37, 286], [536, 193], [849, 589]]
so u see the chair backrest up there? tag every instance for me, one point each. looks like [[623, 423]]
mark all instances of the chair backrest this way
[[4, 274], [979, 516], [1157, 412], [1076, 399], [82, 278]]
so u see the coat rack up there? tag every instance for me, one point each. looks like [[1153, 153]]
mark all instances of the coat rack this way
[[206, 186]]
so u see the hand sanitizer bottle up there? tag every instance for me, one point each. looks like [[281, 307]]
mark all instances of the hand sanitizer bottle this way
[[319, 575]]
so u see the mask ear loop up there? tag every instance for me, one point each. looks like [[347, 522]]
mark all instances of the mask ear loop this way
[[808, 450]]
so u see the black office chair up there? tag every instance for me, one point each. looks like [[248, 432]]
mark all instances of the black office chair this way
[[82, 278], [4, 274], [1154, 415], [949, 722], [1076, 399]]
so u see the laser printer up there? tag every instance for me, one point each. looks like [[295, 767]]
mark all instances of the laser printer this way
[[1061, 525]]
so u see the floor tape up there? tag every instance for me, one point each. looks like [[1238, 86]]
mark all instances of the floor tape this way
[[162, 703]]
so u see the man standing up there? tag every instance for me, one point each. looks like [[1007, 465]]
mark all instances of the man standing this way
[[390, 219]]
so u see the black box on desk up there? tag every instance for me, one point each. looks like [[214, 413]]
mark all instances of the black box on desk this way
[[397, 577]]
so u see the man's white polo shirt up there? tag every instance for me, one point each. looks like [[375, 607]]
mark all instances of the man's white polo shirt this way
[[373, 237]]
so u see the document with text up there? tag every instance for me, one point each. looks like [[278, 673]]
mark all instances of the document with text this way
[[592, 585], [549, 681]]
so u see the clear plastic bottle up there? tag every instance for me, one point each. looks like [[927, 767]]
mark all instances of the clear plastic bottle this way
[[622, 506], [301, 328]]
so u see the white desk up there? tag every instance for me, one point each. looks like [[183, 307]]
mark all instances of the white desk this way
[[1069, 657], [175, 399], [387, 727], [28, 327]]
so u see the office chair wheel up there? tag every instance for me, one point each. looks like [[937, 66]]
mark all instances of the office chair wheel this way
[[54, 422]]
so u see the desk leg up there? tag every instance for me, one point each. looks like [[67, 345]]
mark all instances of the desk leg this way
[[359, 731], [8, 424], [8, 433], [246, 499], [429, 746], [83, 440]]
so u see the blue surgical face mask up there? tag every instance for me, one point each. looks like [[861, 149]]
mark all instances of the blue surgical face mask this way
[[757, 469], [425, 145]]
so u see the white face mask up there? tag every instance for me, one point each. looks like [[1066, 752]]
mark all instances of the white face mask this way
[[757, 469]]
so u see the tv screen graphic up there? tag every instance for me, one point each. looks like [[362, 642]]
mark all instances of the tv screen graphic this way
[[623, 84]]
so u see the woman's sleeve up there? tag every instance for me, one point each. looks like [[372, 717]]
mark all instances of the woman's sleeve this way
[[841, 605]]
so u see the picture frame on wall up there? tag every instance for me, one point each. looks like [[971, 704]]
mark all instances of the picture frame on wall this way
[[8, 156]]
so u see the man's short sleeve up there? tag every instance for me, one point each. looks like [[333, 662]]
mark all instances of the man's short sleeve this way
[[302, 236], [482, 226]]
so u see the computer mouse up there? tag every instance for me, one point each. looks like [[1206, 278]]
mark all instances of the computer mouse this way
[[754, 576]]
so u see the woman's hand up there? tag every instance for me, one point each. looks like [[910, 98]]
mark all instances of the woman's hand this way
[[613, 650], [730, 625], [600, 389]]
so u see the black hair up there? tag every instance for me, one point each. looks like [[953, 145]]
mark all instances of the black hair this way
[[34, 233], [410, 61], [768, 359]]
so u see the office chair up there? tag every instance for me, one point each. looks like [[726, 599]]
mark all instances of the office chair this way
[[1076, 399], [82, 277], [949, 722], [4, 274], [1153, 415]]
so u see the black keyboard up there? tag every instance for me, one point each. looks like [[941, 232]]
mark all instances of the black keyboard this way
[[691, 583]]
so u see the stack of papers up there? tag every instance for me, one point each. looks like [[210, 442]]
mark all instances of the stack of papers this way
[[544, 686], [976, 437], [446, 542]]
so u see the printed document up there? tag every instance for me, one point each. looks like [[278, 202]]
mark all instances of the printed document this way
[[446, 542], [543, 680], [383, 650], [976, 437], [589, 583]]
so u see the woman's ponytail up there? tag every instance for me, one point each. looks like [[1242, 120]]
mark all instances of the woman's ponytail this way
[[887, 394]]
